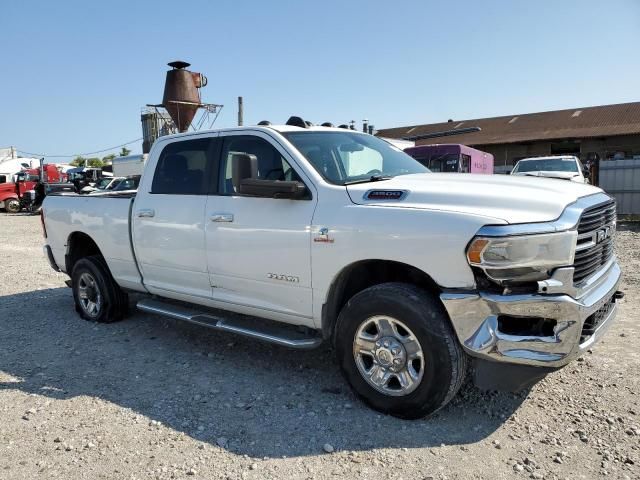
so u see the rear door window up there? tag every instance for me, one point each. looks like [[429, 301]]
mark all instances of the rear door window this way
[[186, 167]]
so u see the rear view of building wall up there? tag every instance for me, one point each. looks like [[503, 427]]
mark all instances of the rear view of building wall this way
[[621, 178]]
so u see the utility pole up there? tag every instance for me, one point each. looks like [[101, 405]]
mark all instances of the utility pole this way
[[240, 112]]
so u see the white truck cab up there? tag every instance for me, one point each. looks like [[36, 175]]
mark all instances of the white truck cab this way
[[562, 167], [296, 234]]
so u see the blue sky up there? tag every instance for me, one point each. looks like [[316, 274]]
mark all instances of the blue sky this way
[[75, 74]]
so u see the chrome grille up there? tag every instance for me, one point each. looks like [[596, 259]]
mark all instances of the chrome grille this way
[[596, 230]]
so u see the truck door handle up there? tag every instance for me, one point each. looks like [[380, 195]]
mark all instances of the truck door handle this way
[[146, 212], [221, 217]]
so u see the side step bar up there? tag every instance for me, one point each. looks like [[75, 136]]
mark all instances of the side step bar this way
[[246, 326]]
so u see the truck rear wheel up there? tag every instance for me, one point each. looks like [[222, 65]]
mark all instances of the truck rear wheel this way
[[398, 351], [97, 296], [12, 205]]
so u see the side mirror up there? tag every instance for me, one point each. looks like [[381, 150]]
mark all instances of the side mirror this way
[[273, 188], [243, 166], [244, 174]]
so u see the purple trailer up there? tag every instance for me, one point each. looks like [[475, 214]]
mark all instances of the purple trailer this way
[[452, 157]]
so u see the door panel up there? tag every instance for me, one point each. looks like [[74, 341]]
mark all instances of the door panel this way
[[261, 258], [258, 249], [170, 245], [169, 217]]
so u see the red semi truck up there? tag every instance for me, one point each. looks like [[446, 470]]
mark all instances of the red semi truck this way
[[16, 194]]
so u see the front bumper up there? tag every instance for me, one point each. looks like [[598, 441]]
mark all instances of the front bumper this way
[[475, 317]]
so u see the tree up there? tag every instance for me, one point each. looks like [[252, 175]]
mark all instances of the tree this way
[[79, 161], [94, 162], [124, 152], [108, 158]]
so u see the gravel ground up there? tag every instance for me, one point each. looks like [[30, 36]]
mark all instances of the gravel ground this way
[[152, 398]]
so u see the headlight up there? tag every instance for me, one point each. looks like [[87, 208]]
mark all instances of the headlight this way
[[522, 258]]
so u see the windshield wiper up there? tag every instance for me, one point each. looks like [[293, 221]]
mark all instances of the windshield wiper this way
[[372, 178]]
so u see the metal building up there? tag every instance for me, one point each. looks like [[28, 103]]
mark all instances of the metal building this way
[[608, 131]]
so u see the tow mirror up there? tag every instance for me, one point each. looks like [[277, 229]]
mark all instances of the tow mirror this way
[[273, 188], [244, 173], [243, 166]]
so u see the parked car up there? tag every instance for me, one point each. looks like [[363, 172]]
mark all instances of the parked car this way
[[105, 184], [323, 234], [82, 177], [562, 167], [453, 158], [128, 183]]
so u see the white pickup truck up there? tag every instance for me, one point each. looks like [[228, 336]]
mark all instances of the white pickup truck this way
[[560, 166], [297, 234]]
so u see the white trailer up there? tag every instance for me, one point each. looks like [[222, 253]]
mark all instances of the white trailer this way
[[129, 166], [11, 164]]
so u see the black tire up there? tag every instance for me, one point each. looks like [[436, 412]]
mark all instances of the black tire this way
[[114, 302], [444, 361], [12, 205]]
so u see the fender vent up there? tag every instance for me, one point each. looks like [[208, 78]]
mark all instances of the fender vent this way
[[385, 194]]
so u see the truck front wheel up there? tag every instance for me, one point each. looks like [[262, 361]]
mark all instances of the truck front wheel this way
[[398, 351], [97, 296], [12, 205]]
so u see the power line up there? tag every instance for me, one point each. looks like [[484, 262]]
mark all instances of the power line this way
[[79, 154]]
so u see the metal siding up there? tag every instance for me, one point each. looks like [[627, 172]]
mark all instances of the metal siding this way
[[621, 178], [604, 120]]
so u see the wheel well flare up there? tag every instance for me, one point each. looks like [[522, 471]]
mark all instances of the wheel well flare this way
[[362, 275], [79, 245]]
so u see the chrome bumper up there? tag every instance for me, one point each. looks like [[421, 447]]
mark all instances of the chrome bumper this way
[[474, 316]]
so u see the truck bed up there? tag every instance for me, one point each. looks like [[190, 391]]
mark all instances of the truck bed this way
[[105, 218]]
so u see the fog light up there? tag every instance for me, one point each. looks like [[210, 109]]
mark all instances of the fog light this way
[[527, 326]]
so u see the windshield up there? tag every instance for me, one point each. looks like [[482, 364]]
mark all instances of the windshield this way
[[346, 157], [102, 184], [129, 183], [444, 163], [547, 165], [114, 183]]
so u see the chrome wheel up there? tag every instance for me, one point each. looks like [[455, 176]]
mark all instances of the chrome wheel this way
[[89, 295], [388, 355], [12, 205]]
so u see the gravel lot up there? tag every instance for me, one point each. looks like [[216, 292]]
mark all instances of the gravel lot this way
[[153, 398]]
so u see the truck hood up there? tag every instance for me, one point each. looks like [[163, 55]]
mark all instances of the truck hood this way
[[547, 174], [7, 187], [504, 198]]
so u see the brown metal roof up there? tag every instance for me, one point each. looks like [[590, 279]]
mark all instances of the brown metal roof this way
[[583, 122]]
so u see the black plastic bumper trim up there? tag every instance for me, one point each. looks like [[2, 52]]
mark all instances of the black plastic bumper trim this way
[[52, 261]]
